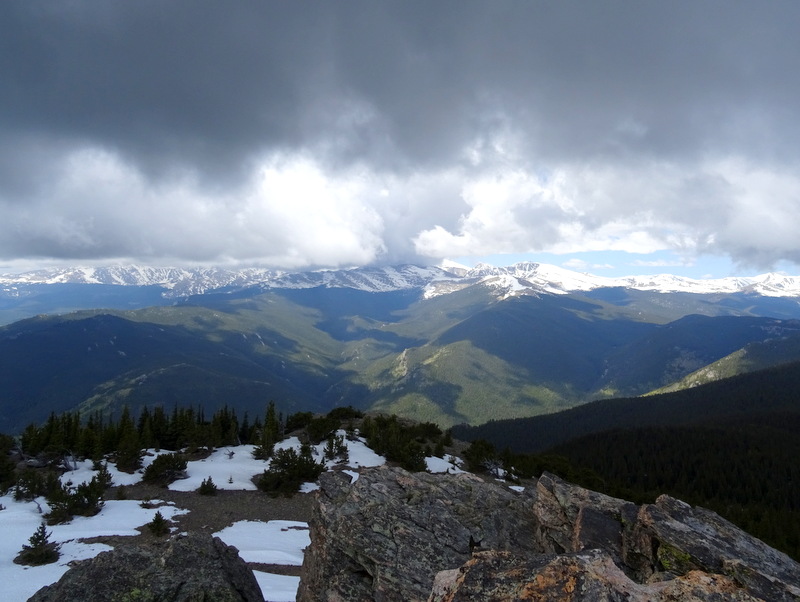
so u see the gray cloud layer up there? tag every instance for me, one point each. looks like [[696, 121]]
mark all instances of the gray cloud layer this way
[[334, 133]]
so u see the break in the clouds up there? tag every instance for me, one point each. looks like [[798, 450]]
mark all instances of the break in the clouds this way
[[310, 134]]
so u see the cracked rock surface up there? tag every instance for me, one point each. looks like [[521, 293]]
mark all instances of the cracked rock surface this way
[[393, 535], [192, 568]]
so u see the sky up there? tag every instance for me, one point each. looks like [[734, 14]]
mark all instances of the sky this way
[[614, 137]]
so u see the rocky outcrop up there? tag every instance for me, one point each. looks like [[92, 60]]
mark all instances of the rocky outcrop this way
[[393, 535], [587, 575], [387, 535], [192, 568]]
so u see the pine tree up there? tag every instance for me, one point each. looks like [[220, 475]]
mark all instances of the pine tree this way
[[335, 449], [244, 430], [269, 434], [159, 525], [207, 487], [40, 551], [439, 449], [129, 450]]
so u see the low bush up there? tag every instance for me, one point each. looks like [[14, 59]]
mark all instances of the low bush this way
[[40, 551], [298, 421], [345, 413], [159, 526], [66, 501], [288, 470], [321, 428], [165, 469], [207, 487]]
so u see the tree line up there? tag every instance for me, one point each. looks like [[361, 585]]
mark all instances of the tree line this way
[[96, 435], [745, 469]]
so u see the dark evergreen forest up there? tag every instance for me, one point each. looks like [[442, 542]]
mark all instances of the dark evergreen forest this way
[[731, 446], [747, 471]]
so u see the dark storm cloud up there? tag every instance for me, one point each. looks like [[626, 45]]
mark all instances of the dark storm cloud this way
[[186, 102]]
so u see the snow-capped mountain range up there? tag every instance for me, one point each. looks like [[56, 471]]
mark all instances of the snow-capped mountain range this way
[[521, 278]]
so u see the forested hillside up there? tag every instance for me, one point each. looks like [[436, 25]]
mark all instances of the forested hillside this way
[[466, 356], [730, 446], [763, 392], [745, 469]]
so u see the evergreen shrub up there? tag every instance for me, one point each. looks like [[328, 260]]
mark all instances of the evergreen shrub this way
[[40, 551], [165, 469]]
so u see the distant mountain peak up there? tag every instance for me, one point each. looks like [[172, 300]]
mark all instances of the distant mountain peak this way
[[521, 278]]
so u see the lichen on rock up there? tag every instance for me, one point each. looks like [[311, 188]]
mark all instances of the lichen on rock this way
[[394, 535]]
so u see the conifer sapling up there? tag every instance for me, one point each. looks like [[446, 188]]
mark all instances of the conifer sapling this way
[[41, 550], [159, 525]]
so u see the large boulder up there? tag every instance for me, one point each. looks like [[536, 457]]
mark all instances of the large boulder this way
[[570, 577], [393, 535], [671, 536], [569, 518], [192, 568], [386, 536]]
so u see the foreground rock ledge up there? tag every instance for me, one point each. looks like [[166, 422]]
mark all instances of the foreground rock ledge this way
[[192, 568], [398, 536]]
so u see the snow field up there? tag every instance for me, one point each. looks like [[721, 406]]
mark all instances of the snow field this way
[[20, 519]]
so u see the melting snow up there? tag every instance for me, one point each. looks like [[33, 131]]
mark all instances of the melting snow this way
[[448, 464], [273, 542], [20, 519], [228, 467]]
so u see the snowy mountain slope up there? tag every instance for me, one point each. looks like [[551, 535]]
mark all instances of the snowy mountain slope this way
[[553, 279], [509, 280], [178, 282], [369, 279]]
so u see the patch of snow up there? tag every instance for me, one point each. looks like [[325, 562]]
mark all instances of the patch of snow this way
[[228, 467], [272, 542], [448, 464], [20, 519], [277, 588], [360, 455], [352, 474]]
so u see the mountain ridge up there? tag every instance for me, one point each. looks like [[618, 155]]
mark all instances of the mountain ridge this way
[[463, 357], [435, 280], [502, 342], [766, 391]]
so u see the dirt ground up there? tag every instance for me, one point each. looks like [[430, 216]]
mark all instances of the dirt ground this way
[[212, 513]]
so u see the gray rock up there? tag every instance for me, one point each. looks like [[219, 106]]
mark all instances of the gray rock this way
[[588, 575], [393, 535], [386, 536], [570, 518], [194, 568], [674, 537]]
